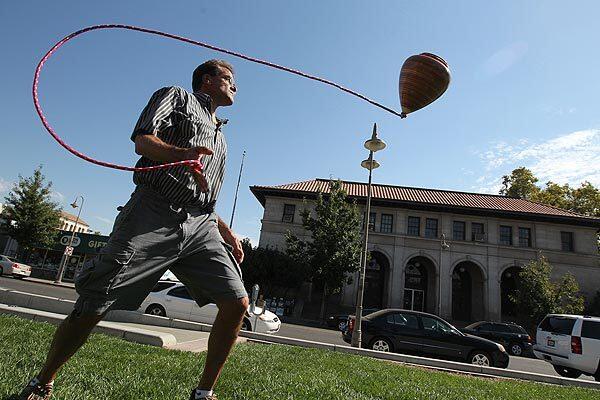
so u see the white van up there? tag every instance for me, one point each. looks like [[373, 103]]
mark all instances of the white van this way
[[571, 343]]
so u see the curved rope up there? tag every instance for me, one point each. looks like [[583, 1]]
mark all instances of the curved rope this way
[[192, 163]]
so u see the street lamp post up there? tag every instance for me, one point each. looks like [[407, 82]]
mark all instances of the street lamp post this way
[[374, 144], [237, 188], [443, 246], [69, 247]]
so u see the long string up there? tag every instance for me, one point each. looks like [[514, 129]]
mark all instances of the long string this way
[[192, 163]]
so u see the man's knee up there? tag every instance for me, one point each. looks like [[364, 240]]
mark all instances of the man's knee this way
[[80, 319], [236, 307]]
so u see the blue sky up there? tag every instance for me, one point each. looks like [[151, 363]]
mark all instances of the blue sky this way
[[524, 91]]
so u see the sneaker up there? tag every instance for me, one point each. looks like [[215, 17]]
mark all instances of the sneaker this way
[[194, 396], [36, 391]]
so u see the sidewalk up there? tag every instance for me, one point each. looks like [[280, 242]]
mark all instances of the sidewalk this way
[[50, 282]]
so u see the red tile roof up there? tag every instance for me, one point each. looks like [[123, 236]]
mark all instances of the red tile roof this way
[[428, 197]]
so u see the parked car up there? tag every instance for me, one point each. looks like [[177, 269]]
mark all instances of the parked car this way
[[9, 266], [340, 321], [571, 343], [512, 336], [422, 334], [172, 299]]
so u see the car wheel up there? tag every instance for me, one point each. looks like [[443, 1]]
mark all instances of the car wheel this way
[[246, 325], [516, 349], [342, 325], [567, 372], [156, 309], [381, 344], [480, 358]]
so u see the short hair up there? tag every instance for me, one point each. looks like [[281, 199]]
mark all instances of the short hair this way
[[209, 67]]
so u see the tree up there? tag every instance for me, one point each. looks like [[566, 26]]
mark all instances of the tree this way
[[520, 184], [31, 218], [270, 269], [537, 295], [586, 200], [555, 195], [333, 253]]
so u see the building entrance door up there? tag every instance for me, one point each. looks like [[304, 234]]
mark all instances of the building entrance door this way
[[414, 299]]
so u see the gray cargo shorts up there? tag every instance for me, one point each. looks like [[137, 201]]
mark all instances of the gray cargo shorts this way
[[151, 235]]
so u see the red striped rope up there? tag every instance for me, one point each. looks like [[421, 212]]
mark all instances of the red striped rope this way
[[192, 163]]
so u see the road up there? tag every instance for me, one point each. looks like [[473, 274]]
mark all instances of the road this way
[[287, 330]]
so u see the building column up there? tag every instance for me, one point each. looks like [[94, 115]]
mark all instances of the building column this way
[[397, 278], [494, 303]]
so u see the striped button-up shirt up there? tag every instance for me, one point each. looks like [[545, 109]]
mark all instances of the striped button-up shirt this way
[[182, 119]]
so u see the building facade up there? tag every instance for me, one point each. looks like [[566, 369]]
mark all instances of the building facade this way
[[454, 254], [69, 222]]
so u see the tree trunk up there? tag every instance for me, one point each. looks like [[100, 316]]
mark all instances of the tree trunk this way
[[323, 303]]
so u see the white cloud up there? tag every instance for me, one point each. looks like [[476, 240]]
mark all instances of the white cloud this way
[[571, 158], [105, 220], [5, 186], [560, 111], [504, 58], [57, 196]]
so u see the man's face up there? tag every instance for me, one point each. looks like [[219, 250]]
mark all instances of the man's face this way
[[221, 87]]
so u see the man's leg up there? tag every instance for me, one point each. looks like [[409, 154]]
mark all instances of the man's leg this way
[[70, 335], [222, 338]]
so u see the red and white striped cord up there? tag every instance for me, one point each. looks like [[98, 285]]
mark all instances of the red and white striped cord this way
[[192, 163]]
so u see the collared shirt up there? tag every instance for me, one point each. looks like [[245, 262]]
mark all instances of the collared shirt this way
[[182, 119]]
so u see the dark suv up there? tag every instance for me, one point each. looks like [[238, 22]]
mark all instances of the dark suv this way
[[512, 336], [422, 334]]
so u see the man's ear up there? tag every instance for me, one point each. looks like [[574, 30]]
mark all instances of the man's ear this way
[[206, 79]]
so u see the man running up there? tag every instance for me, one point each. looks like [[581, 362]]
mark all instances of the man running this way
[[168, 223]]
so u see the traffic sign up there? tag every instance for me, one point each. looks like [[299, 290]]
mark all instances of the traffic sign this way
[[68, 251]]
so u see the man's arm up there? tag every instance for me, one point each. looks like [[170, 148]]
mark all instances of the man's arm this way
[[230, 238], [155, 149]]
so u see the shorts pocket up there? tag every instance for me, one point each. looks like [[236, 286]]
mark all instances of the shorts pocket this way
[[121, 260], [104, 272]]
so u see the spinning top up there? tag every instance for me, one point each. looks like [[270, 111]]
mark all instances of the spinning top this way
[[423, 79]]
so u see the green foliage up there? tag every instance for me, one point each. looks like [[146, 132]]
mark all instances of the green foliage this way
[[333, 253], [555, 195], [586, 200], [537, 295], [567, 299], [520, 184], [31, 217], [270, 269], [110, 368]]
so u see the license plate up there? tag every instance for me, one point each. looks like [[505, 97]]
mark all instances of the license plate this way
[[551, 343]]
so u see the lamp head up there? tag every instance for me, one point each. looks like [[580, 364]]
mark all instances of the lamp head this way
[[369, 164], [74, 204], [375, 144]]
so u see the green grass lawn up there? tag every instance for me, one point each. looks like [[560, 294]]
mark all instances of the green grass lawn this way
[[109, 368]]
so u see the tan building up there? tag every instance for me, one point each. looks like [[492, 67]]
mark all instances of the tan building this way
[[69, 222], [454, 254]]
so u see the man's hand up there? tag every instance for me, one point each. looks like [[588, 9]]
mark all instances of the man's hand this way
[[194, 153], [152, 147], [231, 239]]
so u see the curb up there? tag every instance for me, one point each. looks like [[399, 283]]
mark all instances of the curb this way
[[130, 334], [53, 305]]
